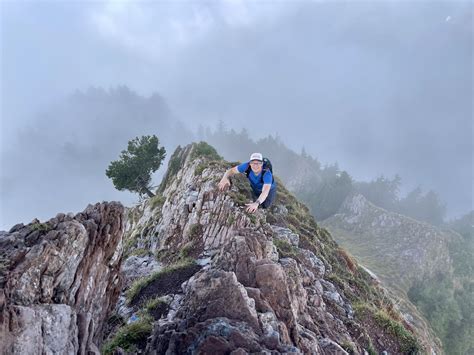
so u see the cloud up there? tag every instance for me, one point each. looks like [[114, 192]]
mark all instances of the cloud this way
[[155, 28]]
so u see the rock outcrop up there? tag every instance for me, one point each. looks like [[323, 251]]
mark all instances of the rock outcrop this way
[[59, 280], [234, 282]]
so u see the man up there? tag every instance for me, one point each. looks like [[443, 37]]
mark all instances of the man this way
[[261, 180]]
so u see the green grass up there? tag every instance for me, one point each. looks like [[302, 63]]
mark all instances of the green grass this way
[[129, 336], [347, 346], [284, 248], [42, 227], [199, 169], [408, 342], [153, 303], [203, 149], [157, 201]]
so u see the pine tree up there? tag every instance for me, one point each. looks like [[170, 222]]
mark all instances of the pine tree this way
[[136, 164]]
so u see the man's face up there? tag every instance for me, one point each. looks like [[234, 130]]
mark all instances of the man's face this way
[[256, 166]]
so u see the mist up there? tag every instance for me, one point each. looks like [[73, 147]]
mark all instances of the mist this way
[[380, 88]]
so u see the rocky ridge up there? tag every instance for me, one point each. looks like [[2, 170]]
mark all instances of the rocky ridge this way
[[272, 282], [189, 271]]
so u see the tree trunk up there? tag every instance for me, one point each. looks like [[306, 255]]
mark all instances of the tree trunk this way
[[148, 192]]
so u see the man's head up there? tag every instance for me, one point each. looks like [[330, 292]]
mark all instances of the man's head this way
[[256, 162]]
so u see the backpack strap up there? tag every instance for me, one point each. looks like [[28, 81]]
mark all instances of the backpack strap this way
[[247, 172]]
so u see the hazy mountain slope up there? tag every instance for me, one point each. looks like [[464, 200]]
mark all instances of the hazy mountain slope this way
[[428, 265]]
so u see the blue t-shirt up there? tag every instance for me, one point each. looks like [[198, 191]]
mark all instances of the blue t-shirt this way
[[256, 180]]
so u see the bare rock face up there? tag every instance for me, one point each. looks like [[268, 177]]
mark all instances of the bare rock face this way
[[59, 280], [269, 282]]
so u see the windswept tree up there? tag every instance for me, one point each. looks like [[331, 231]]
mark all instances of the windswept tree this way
[[136, 164]]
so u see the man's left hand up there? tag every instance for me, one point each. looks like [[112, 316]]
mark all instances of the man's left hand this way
[[252, 207]]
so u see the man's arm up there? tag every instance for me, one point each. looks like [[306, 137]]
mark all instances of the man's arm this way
[[225, 179], [265, 191]]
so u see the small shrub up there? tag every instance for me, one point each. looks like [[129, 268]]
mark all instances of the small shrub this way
[[130, 336], [239, 198], [202, 149], [42, 227], [347, 346], [284, 248]]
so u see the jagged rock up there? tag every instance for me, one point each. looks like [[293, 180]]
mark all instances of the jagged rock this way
[[286, 235], [135, 267], [61, 281], [248, 298], [330, 347]]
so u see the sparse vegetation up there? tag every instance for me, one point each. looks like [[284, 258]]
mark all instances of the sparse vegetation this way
[[130, 337], [199, 169], [154, 303], [186, 251], [42, 227], [203, 149], [407, 341], [347, 346], [157, 201], [284, 248], [174, 165]]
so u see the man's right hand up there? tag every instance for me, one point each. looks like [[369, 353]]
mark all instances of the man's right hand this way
[[223, 184]]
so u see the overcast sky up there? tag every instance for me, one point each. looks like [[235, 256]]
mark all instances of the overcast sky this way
[[379, 87]]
